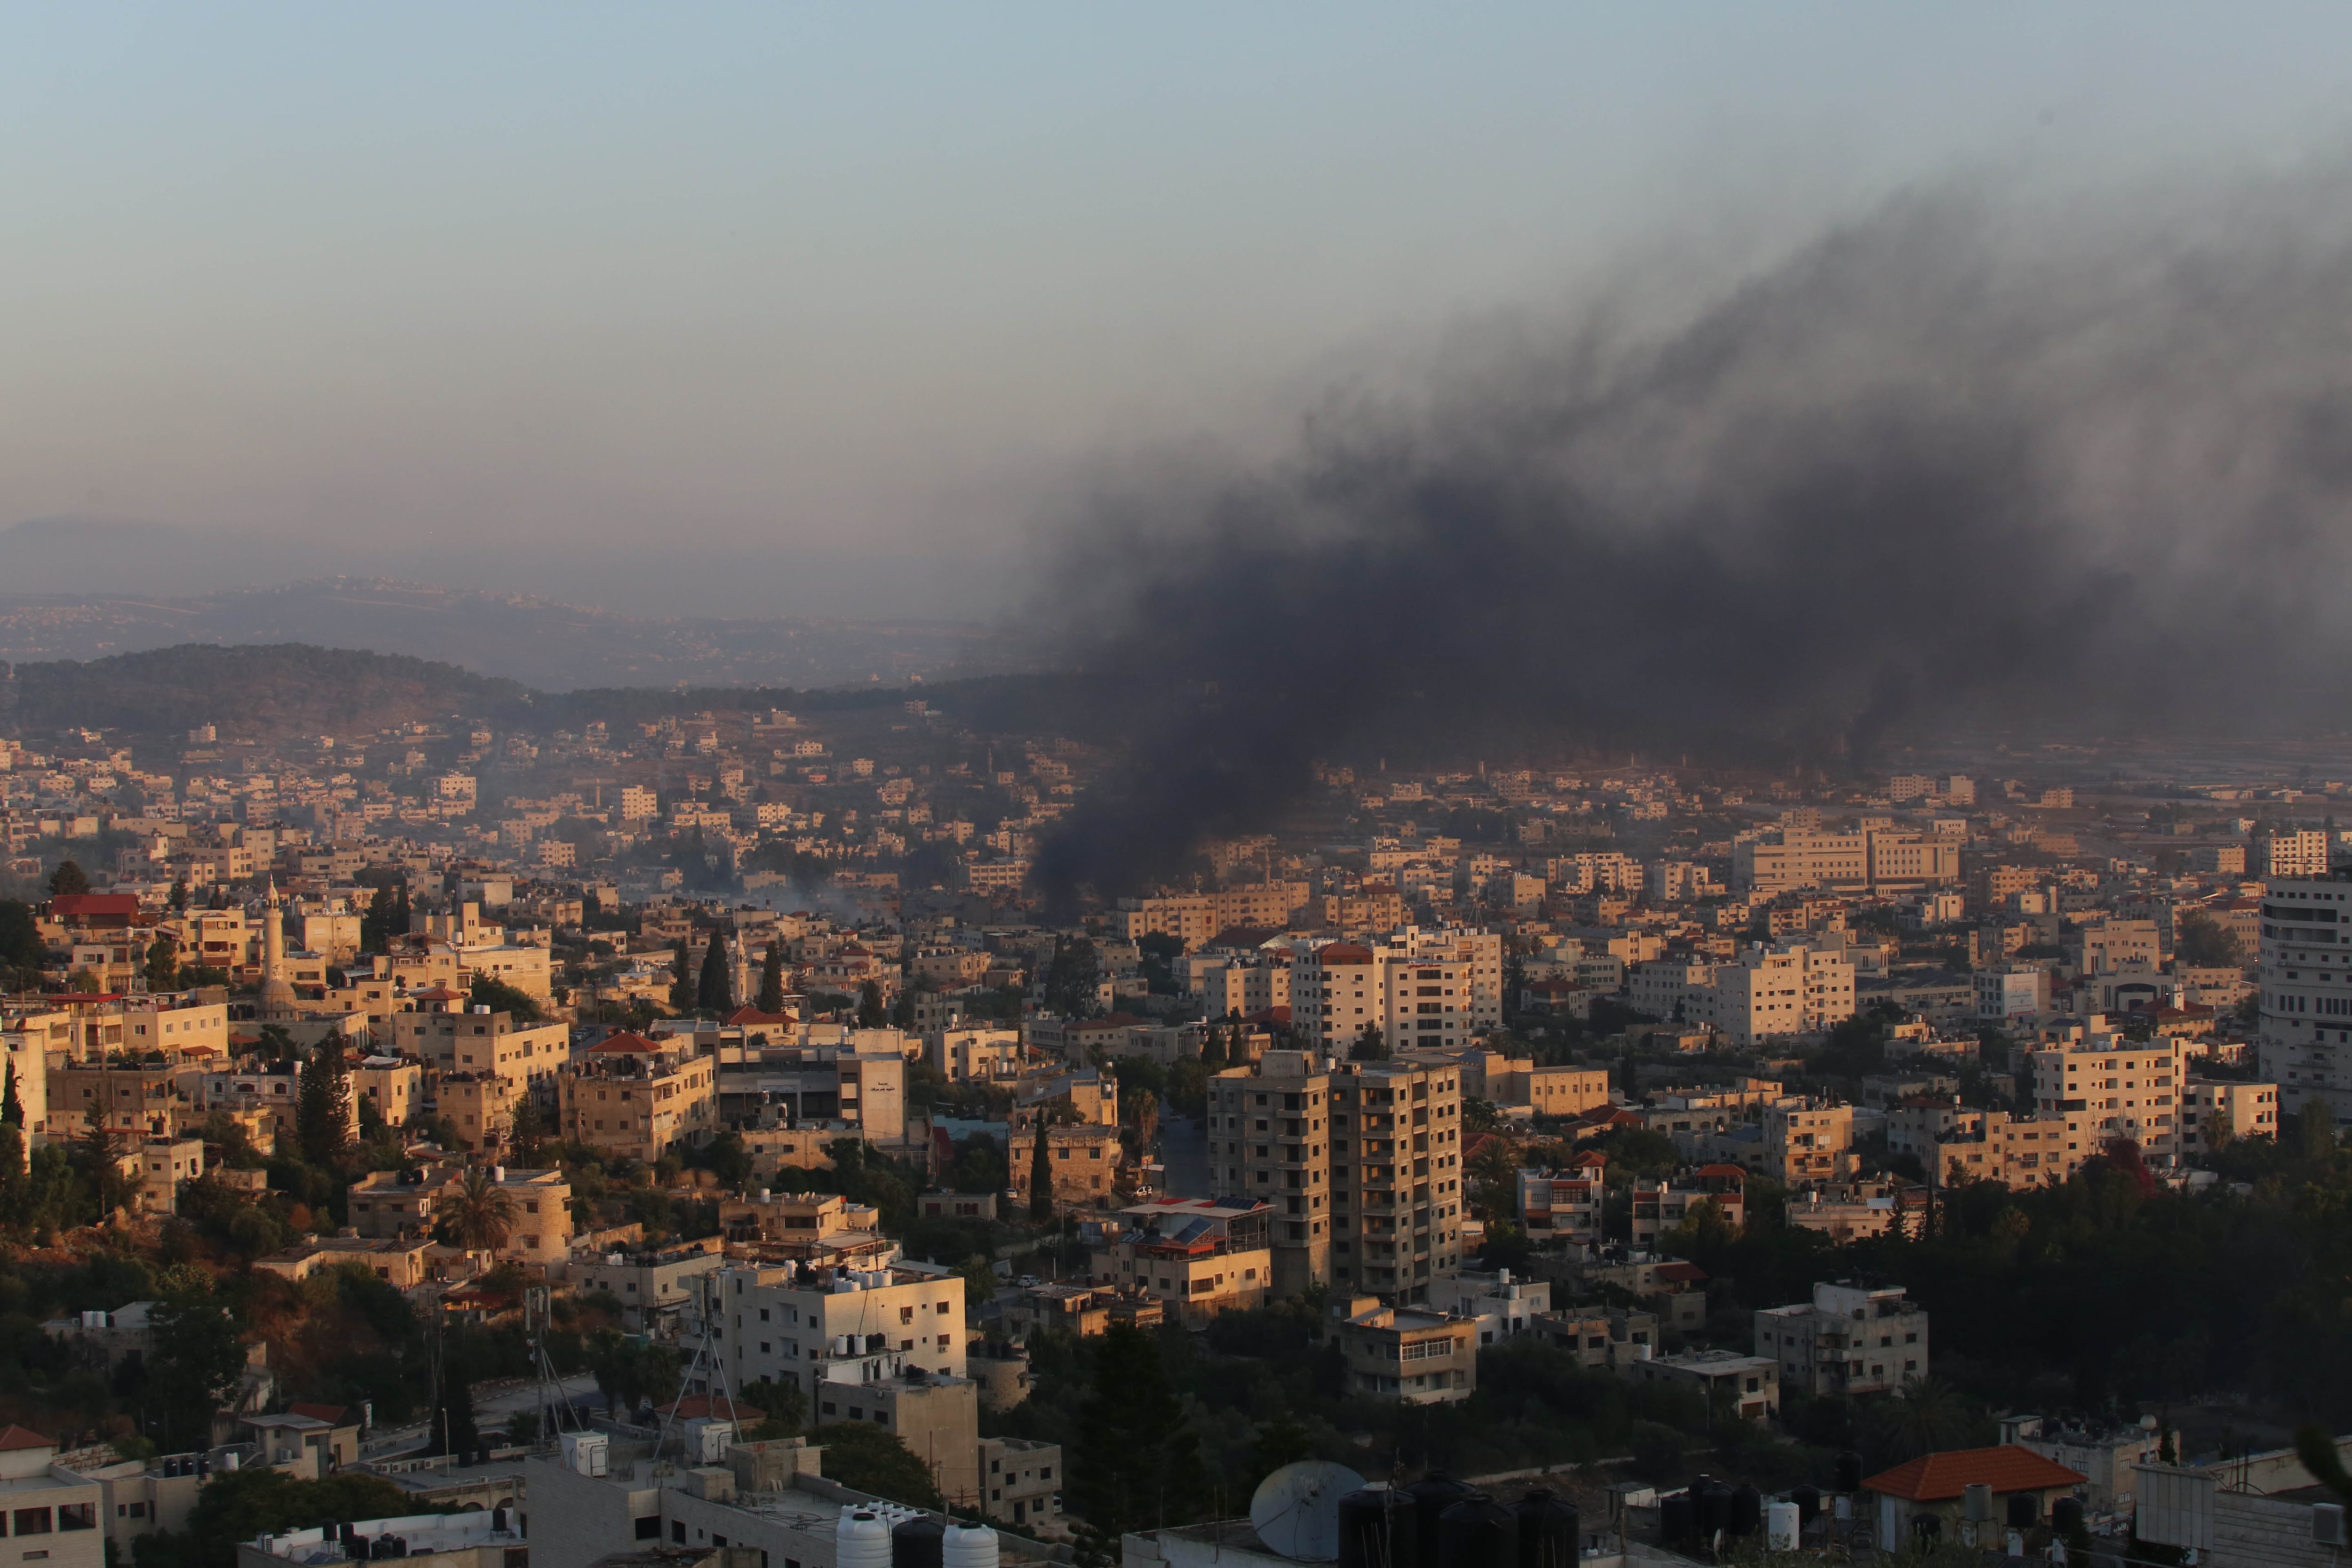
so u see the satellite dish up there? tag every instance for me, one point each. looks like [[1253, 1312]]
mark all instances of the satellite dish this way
[[1295, 1510]]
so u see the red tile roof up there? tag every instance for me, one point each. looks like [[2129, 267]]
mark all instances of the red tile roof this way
[[1680, 1273], [332, 1415], [743, 1016], [1937, 1478], [83, 905], [14, 1437], [625, 1042], [1343, 952]]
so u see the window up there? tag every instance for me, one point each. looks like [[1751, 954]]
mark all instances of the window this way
[[31, 1522]]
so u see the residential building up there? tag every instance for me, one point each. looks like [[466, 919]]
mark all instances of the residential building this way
[[2011, 994], [389, 1088], [1021, 1480], [1877, 860], [2250, 1510], [405, 1264], [1499, 1305], [1785, 990], [1808, 1140], [986, 1054], [52, 1510], [450, 1038], [1437, 987], [823, 1327], [1938, 1485], [653, 1287], [1601, 1339], [1194, 918], [1847, 1342], [627, 1095], [1564, 1204], [1085, 1161], [1361, 1161], [2293, 856], [2018, 1150], [2110, 1087], [814, 1227], [1747, 1386], [2213, 1113], [2106, 1454], [479, 1538], [388, 1205], [2307, 992], [1398, 1353], [1200, 1256], [1661, 1204]]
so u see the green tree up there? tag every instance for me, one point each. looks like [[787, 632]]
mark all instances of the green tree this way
[[1212, 1048], [2201, 942], [772, 979], [500, 997], [979, 1283], [524, 1131], [22, 952], [1279, 1442], [871, 1014], [1924, 1416], [1041, 1174], [1071, 978], [728, 1160], [2316, 1130], [874, 1459], [194, 1365], [450, 1428], [100, 1156], [1368, 1046], [163, 964], [476, 1212], [321, 1104], [1137, 1463], [12, 1106], [238, 1505], [179, 895], [67, 878], [682, 992], [716, 993]]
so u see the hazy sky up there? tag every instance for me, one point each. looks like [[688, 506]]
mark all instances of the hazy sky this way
[[858, 278]]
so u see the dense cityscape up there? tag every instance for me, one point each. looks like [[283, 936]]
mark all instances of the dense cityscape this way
[[702, 1118]]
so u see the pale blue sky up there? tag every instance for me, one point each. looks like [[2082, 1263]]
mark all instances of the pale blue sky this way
[[859, 277]]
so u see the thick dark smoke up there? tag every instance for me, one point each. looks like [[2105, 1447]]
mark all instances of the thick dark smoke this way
[[1962, 461]]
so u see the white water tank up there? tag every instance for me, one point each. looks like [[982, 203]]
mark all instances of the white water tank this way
[[1780, 1526], [862, 1540], [968, 1546]]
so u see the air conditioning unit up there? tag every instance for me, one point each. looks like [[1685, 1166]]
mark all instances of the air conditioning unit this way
[[2327, 1524]]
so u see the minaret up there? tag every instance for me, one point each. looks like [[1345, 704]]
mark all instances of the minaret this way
[[276, 991]]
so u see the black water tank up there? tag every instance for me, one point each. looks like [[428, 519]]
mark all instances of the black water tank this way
[[2025, 1510], [1714, 1508], [1849, 1472], [1551, 1531], [1678, 1519], [1432, 1496], [1477, 1533], [2066, 1516], [1809, 1504], [917, 1543], [1377, 1529], [1747, 1509]]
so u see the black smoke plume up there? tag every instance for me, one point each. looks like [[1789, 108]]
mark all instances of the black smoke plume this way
[[1966, 460]]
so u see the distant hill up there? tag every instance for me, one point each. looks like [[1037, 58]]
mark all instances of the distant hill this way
[[265, 691], [545, 644], [270, 691]]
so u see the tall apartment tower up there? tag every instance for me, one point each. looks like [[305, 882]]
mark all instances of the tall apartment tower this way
[[1361, 1161], [2307, 992], [1433, 987]]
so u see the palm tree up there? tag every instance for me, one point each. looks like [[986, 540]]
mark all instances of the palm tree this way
[[476, 1211], [1924, 1416]]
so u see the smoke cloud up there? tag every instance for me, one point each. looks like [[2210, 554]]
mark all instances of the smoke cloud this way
[[1969, 459]]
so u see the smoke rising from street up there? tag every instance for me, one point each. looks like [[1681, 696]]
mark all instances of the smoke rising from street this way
[[1967, 460]]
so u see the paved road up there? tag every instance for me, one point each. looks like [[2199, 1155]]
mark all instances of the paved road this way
[[491, 1401]]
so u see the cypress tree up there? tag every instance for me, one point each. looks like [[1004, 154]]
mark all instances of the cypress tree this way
[[1041, 1174], [716, 990], [682, 992], [319, 1096], [12, 1108], [772, 980]]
